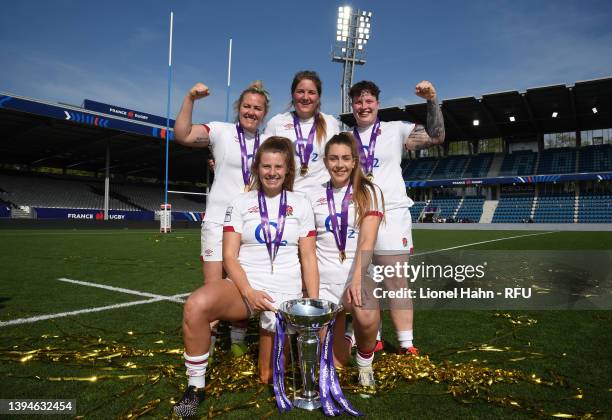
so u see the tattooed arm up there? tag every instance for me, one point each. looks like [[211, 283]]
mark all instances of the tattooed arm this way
[[185, 132], [421, 137]]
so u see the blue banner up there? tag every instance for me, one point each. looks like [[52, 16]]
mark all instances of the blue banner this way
[[81, 116], [190, 216], [500, 180], [125, 113], [85, 214]]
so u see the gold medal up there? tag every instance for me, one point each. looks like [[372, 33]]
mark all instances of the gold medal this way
[[304, 170], [370, 176], [342, 256]]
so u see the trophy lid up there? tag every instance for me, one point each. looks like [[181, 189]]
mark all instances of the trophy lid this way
[[309, 313]]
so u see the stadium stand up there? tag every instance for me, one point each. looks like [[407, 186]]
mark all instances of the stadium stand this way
[[557, 161], [150, 196], [418, 168], [520, 162], [479, 165], [447, 206], [450, 167], [557, 208], [470, 209], [416, 209], [513, 208], [595, 158], [595, 208]]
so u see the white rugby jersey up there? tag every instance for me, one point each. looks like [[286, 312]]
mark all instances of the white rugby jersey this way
[[242, 216], [228, 181], [387, 169], [331, 269], [282, 125]]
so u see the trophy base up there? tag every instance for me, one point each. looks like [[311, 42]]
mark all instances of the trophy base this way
[[307, 403]]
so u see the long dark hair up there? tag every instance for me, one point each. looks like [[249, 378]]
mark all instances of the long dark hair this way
[[274, 144], [363, 189], [314, 77]]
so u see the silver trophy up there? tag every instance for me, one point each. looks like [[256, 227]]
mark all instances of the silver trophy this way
[[308, 317]]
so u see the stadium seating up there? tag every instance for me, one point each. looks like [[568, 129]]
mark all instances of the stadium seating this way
[[595, 208], [557, 161], [520, 162], [418, 168], [470, 209], [513, 209], [450, 167], [557, 208], [151, 196], [595, 158], [447, 206], [479, 165], [416, 209]]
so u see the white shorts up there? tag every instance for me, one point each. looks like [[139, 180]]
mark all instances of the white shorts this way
[[331, 292], [395, 233], [211, 238], [267, 319]]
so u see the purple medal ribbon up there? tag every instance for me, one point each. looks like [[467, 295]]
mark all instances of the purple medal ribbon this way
[[246, 171], [339, 231], [367, 162], [333, 401], [304, 151], [272, 244], [278, 367]]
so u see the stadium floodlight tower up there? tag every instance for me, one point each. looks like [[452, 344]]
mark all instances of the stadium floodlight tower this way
[[352, 36]]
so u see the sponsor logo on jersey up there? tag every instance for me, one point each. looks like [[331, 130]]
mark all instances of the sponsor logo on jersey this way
[[228, 214], [288, 126], [321, 201], [254, 209], [208, 252], [260, 237]]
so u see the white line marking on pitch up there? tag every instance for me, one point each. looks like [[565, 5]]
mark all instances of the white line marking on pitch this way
[[482, 242], [122, 290], [30, 320]]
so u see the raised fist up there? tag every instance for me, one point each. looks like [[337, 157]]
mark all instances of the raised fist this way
[[425, 90], [199, 91]]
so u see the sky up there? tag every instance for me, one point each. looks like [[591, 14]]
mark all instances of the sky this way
[[116, 51]]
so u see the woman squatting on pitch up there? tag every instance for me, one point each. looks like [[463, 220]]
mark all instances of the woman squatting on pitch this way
[[348, 211], [308, 128], [264, 230], [234, 146], [380, 146]]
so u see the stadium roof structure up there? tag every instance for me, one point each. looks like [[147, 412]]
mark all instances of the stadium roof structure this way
[[531, 112], [40, 134]]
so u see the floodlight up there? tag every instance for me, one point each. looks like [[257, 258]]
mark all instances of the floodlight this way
[[594, 109], [554, 114], [512, 119], [476, 123]]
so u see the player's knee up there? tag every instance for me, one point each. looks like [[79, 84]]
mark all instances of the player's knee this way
[[196, 308]]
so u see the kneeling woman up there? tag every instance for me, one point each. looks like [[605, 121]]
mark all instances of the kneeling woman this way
[[348, 211], [263, 231]]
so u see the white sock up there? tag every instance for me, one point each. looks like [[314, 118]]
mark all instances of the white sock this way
[[364, 359], [238, 334], [196, 369], [349, 334], [405, 338]]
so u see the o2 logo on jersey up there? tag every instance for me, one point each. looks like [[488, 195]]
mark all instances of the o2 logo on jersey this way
[[313, 156], [350, 233], [376, 162], [260, 237]]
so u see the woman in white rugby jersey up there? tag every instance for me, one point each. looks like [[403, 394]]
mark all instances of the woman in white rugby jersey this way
[[308, 128], [348, 211], [233, 145], [380, 146], [264, 230]]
